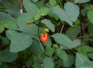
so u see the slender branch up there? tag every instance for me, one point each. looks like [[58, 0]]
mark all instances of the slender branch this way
[[69, 48], [41, 46], [44, 2], [10, 4], [62, 28], [82, 36]]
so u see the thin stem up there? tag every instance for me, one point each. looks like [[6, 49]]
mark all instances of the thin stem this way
[[10, 4], [82, 36], [41, 46], [69, 48], [44, 2], [62, 28], [38, 27]]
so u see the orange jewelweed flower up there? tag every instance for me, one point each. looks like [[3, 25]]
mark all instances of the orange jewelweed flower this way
[[29, 24], [44, 37]]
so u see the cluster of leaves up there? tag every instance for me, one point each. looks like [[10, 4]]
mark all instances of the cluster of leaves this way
[[70, 33]]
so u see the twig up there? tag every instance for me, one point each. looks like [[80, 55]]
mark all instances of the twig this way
[[44, 2], [82, 36], [10, 4], [62, 28], [41, 46]]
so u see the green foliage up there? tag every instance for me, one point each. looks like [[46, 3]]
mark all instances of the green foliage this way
[[62, 39], [20, 42], [49, 24], [46, 34], [62, 54], [8, 56], [48, 62]]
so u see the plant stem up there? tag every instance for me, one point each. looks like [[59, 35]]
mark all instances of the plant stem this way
[[44, 2], [62, 28]]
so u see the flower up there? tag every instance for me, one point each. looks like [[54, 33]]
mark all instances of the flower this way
[[44, 37], [29, 24]]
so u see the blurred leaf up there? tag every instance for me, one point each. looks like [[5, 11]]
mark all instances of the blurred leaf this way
[[25, 18], [48, 62], [72, 32], [62, 54], [6, 41], [81, 60], [44, 11], [49, 51], [49, 24], [8, 56], [91, 55], [37, 16], [5, 17], [34, 0], [69, 62], [10, 25], [30, 7], [90, 29], [1, 28], [72, 11], [81, 1], [52, 2], [77, 21], [87, 6], [85, 48], [55, 46], [62, 39], [10, 33], [84, 11], [36, 47], [20, 42], [90, 16]]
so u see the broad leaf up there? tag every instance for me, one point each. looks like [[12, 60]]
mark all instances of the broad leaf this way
[[72, 32], [1, 28], [69, 62], [49, 24], [11, 33], [8, 56], [90, 16], [5, 17], [20, 42], [90, 29], [30, 7], [48, 62], [62, 54], [72, 10], [62, 39], [81, 1]]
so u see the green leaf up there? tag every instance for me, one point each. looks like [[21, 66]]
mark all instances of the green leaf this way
[[49, 51], [1, 28], [55, 46], [36, 47], [75, 42], [84, 12], [20, 42], [77, 21], [90, 16], [62, 39], [34, 0], [37, 16], [48, 62], [25, 18], [13, 10], [91, 55], [52, 2], [62, 54], [90, 29], [49, 24], [30, 7], [10, 25], [85, 48], [5, 17], [5, 40], [62, 15], [48, 43], [11, 33], [8, 56], [69, 62], [72, 32], [72, 11], [44, 11], [81, 60], [81, 1]]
